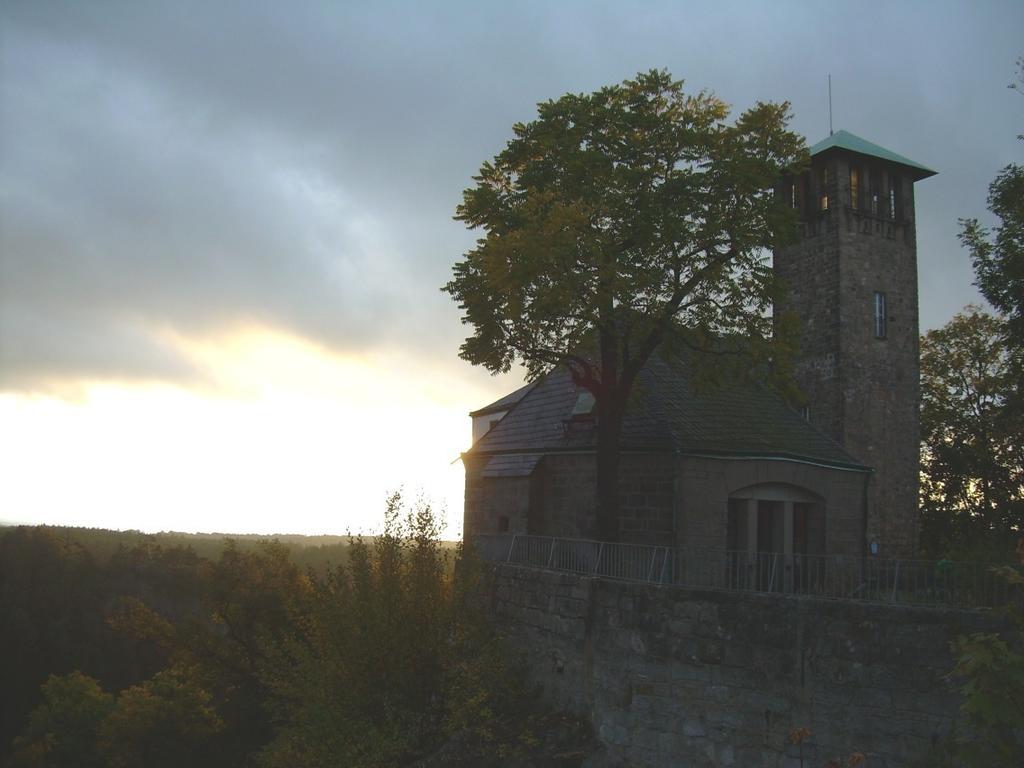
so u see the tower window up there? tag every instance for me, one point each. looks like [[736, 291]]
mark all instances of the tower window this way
[[874, 193], [824, 188], [854, 188], [894, 185], [880, 315]]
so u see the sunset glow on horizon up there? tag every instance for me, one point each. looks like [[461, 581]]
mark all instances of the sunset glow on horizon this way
[[284, 438]]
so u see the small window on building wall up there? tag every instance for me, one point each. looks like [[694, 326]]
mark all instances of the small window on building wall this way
[[880, 315], [854, 188], [894, 186], [874, 193], [823, 188], [584, 406]]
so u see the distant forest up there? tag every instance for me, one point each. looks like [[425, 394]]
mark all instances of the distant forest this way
[[129, 649], [317, 553]]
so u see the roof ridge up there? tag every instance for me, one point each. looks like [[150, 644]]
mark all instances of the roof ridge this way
[[843, 139], [501, 403], [821, 432]]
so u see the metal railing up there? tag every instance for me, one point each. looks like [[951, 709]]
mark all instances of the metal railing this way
[[918, 582]]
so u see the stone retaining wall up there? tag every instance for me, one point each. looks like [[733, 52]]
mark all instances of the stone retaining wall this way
[[683, 677]]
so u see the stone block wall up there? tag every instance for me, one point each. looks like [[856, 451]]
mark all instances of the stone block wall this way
[[569, 495], [559, 498], [678, 677], [809, 271], [646, 493], [498, 504]]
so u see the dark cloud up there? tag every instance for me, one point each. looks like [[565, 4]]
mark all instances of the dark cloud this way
[[189, 166]]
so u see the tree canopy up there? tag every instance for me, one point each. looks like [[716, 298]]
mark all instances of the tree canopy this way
[[997, 254], [972, 408], [972, 489], [619, 222]]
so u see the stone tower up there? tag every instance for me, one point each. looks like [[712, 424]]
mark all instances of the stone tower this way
[[852, 282]]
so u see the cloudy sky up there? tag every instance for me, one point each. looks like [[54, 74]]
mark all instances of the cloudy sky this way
[[223, 226]]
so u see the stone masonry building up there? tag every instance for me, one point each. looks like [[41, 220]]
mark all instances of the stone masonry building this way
[[735, 467]]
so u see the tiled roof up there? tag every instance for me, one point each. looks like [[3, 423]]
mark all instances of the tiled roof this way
[[848, 141], [665, 413], [511, 465]]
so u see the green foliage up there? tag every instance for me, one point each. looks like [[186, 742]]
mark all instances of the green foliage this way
[[972, 481], [53, 599], [250, 600], [168, 721], [998, 254], [349, 691], [139, 607], [250, 659], [990, 672], [618, 223], [105, 547], [369, 677], [62, 730], [635, 210], [483, 681]]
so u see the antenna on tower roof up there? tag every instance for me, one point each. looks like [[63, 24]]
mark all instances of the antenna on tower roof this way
[[829, 103]]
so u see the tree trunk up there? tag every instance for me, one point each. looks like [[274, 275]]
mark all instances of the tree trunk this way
[[609, 430], [609, 433]]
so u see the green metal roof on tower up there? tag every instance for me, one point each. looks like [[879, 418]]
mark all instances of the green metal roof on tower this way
[[847, 141]]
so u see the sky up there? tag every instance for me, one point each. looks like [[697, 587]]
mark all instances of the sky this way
[[224, 225]]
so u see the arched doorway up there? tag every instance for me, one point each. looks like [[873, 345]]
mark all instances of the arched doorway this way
[[775, 536]]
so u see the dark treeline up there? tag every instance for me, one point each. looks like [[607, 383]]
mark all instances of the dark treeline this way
[[319, 553], [144, 652]]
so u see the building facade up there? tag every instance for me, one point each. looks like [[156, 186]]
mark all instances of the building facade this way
[[736, 468]]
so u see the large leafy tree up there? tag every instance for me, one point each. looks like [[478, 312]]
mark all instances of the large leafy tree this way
[[165, 722], [972, 489], [392, 656], [250, 599], [998, 253], [62, 730], [618, 222], [972, 409]]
